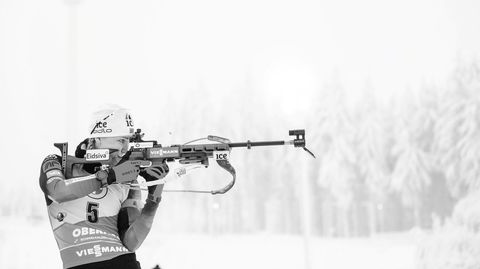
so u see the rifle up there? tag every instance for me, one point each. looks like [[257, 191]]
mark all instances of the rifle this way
[[147, 153]]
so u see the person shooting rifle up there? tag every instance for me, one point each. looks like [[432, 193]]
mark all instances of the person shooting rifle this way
[[96, 222], [93, 199]]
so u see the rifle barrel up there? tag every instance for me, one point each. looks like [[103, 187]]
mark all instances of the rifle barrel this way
[[249, 144]]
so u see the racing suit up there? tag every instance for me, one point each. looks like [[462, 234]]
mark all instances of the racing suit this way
[[94, 226]]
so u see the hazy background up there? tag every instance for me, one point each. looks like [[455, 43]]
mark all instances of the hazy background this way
[[388, 92]]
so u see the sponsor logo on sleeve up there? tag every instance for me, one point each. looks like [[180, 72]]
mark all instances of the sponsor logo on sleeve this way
[[54, 173], [50, 180], [97, 155], [50, 165]]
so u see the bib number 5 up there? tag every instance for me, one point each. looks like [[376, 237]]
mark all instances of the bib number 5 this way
[[92, 212]]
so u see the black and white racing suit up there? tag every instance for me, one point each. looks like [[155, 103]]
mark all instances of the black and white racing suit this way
[[94, 226]]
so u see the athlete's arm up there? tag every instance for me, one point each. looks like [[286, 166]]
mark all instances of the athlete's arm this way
[[140, 223], [129, 211], [56, 188]]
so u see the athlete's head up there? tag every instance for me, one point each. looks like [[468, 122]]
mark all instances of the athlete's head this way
[[112, 129]]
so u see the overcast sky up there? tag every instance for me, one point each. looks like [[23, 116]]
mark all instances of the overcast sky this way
[[177, 44]]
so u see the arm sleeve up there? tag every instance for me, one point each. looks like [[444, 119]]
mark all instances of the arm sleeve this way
[[57, 188], [136, 233], [129, 212], [140, 226]]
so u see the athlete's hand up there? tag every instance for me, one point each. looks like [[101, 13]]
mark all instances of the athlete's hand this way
[[122, 173], [155, 172]]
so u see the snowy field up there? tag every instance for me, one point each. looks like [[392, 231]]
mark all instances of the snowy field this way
[[30, 244]]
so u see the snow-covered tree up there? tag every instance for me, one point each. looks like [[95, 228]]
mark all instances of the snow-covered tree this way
[[457, 142]]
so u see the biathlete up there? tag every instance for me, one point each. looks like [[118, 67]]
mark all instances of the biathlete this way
[[98, 223]]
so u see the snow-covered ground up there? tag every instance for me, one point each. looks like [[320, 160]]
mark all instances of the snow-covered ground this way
[[28, 243]]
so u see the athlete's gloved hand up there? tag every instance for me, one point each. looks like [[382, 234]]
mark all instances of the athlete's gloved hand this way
[[81, 149], [122, 173], [155, 172]]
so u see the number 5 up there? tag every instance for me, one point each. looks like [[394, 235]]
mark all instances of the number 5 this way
[[92, 212]]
